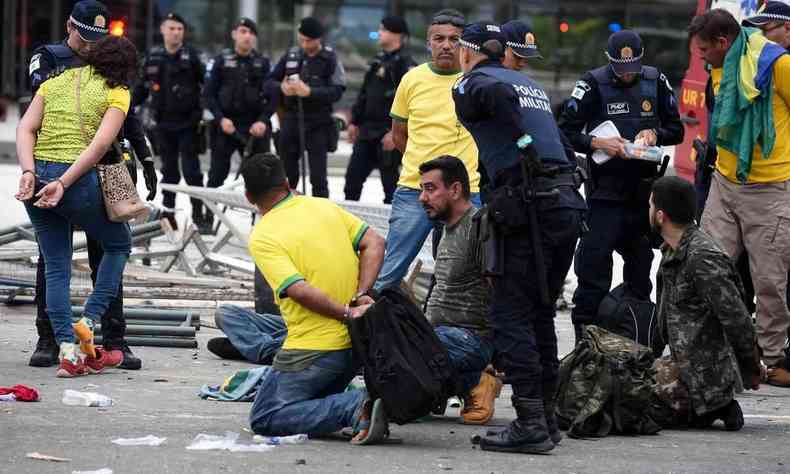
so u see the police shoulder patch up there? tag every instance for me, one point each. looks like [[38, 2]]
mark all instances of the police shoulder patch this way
[[35, 63], [580, 89]]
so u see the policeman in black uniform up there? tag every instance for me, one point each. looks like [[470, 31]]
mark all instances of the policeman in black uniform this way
[[369, 130], [172, 74], [237, 98], [537, 210], [311, 78], [640, 102], [520, 45], [83, 27]]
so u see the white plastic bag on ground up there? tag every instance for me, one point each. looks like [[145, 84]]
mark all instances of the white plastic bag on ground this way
[[149, 440], [85, 399], [104, 470], [278, 440], [209, 442]]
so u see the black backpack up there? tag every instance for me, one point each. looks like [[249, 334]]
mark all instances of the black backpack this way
[[406, 365], [624, 312]]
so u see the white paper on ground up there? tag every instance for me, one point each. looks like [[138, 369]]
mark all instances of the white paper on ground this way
[[208, 442], [605, 130], [149, 440], [104, 470]]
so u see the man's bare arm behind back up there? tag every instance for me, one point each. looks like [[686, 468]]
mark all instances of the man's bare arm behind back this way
[[400, 134], [371, 256]]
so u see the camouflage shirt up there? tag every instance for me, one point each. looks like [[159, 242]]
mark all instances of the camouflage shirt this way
[[702, 315], [461, 296]]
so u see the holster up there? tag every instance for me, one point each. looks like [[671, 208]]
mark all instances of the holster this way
[[490, 243]]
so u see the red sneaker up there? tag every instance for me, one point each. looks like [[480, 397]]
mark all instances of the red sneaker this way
[[70, 369], [104, 358]]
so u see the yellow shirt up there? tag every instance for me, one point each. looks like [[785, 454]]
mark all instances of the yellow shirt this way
[[60, 138], [315, 240], [424, 100], [775, 168]]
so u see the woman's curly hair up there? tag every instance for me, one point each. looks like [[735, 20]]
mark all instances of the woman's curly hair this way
[[115, 59]]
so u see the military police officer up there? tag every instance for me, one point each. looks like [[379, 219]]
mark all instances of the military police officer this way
[[172, 75], [86, 24], [369, 130], [237, 98], [520, 45], [641, 104], [537, 210], [311, 78]]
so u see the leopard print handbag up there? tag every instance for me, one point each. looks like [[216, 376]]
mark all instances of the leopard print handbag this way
[[121, 200]]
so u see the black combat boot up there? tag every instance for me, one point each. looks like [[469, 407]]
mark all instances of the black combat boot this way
[[113, 329], [46, 353], [731, 414], [528, 433]]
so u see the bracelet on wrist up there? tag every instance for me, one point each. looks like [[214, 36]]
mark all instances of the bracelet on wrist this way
[[61, 183], [29, 171]]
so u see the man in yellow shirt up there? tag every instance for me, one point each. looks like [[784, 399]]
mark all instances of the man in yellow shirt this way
[[753, 215], [315, 281], [424, 127]]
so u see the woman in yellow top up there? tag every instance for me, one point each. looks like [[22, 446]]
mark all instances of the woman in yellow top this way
[[69, 126]]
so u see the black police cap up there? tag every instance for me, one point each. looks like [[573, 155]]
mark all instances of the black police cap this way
[[395, 24], [247, 23], [770, 11], [311, 27], [521, 39], [476, 35], [175, 17], [625, 52], [91, 19]]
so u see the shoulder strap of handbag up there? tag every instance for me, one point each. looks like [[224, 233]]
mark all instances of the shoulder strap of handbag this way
[[115, 144]]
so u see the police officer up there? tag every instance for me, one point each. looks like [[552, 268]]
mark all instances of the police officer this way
[[87, 24], [237, 98], [172, 74], [641, 103], [520, 45], [370, 125], [311, 78], [538, 211]]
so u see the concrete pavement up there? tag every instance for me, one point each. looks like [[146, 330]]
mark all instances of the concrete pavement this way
[[161, 400]]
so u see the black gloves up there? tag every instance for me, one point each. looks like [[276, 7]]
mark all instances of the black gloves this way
[[149, 173]]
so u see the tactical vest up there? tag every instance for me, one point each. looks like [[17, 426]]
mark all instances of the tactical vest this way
[[315, 71], [497, 152], [64, 58], [241, 84], [172, 82], [380, 85], [631, 109]]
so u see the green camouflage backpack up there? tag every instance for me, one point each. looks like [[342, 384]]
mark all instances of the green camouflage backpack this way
[[605, 387]]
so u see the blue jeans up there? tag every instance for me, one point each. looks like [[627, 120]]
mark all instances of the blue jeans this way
[[469, 354], [82, 205], [409, 226], [311, 401], [257, 336]]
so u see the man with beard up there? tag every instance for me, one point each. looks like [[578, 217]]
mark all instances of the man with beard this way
[[701, 314]]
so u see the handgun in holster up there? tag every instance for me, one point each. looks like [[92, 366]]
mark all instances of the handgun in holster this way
[[491, 245]]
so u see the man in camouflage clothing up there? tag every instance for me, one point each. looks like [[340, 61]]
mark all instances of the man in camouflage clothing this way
[[701, 315]]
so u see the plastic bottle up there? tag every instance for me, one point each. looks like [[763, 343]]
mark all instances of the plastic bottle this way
[[85, 399], [643, 152]]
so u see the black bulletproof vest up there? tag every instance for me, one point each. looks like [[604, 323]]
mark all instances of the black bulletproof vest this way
[[173, 83], [315, 71], [241, 90], [497, 153], [631, 109]]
